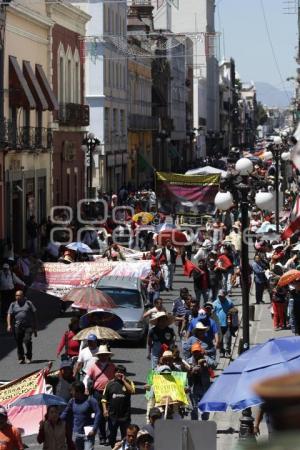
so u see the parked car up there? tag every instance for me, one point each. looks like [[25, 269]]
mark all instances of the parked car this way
[[129, 294]]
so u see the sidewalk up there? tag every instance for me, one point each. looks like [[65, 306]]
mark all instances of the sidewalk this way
[[261, 329]]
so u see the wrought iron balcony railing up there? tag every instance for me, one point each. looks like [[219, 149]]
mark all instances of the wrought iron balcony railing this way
[[25, 138], [73, 114]]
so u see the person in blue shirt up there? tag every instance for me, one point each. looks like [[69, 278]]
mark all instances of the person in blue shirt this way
[[221, 307], [199, 334], [213, 331], [79, 412], [260, 279]]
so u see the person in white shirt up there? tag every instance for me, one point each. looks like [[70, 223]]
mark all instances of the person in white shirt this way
[[8, 282], [86, 356]]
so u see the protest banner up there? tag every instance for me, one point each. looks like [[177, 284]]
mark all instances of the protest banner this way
[[185, 194], [169, 385], [28, 417]]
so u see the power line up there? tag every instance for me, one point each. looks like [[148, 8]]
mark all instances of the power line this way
[[273, 50]]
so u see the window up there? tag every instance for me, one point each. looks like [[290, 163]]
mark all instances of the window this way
[[77, 81], [61, 79], [117, 75], [69, 77], [39, 119], [68, 187], [76, 184], [122, 122], [106, 121], [115, 120], [112, 74]]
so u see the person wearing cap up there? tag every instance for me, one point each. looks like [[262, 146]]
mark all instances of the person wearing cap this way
[[99, 374], [67, 342], [61, 383], [86, 355], [198, 379], [82, 412], [10, 437], [22, 320], [116, 402], [161, 336], [153, 415], [8, 281], [144, 440], [221, 307]]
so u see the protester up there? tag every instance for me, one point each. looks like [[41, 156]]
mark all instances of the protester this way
[[22, 320], [99, 374], [116, 401], [144, 441], [70, 345], [80, 410], [8, 283], [168, 264], [62, 382], [154, 280], [161, 337], [181, 306], [86, 356], [201, 282], [260, 279], [221, 307], [53, 431], [10, 437], [158, 307], [154, 415], [129, 442]]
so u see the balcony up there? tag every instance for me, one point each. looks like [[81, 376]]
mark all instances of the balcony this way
[[73, 114], [25, 138], [138, 122]]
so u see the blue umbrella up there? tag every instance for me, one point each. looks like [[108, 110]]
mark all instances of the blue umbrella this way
[[39, 399], [233, 387], [79, 247]]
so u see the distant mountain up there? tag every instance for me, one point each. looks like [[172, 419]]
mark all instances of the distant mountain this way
[[269, 95]]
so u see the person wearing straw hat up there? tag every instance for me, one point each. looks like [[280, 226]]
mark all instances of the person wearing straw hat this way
[[161, 337], [199, 334], [98, 375]]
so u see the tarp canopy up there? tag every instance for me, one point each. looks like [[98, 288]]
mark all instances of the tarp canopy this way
[[205, 170]]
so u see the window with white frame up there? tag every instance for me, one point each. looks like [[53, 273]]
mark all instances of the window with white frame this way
[[69, 76], [106, 121], [115, 121], [76, 81], [61, 73]]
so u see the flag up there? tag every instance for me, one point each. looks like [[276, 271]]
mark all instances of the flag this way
[[189, 267], [294, 221]]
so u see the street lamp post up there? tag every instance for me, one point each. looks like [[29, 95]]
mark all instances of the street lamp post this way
[[241, 184], [90, 144]]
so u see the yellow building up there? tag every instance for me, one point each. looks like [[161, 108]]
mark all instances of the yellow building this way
[[28, 105]]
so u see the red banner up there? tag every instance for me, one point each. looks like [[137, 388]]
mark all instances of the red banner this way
[[27, 418]]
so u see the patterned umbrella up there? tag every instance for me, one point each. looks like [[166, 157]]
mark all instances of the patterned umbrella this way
[[101, 318], [146, 217], [289, 277], [101, 333], [177, 237], [89, 298]]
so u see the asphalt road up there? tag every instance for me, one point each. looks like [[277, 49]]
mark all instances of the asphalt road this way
[[52, 326]]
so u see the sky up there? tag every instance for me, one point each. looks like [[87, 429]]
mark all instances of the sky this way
[[245, 35]]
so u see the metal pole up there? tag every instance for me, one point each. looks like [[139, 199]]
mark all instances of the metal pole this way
[[91, 170], [245, 265], [277, 154]]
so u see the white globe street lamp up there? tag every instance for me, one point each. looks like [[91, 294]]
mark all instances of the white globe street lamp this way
[[277, 140], [244, 166], [286, 156], [268, 155], [223, 200], [264, 200]]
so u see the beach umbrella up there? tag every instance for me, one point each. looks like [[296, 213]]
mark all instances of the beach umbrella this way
[[146, 217], [288, 277], [233, 388], [89, 298], [39, 400], [101, 333], [79, 247], [102, 319]]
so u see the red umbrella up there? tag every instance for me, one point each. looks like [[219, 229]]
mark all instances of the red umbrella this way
[[288, 277], [175, 236], [89, 298]]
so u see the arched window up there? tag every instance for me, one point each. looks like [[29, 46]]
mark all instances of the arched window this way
[[61, 73], [77, 81], [69, 76]]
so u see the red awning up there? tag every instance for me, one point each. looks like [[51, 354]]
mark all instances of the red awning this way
[[19, 93], [34, 86], [45, 86]]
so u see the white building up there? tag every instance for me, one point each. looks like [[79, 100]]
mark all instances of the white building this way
[[196, 19], [106, 88]]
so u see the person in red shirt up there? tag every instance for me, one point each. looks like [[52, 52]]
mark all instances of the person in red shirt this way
[[10, 437], [67, 342], [225, 264], [201, 282]]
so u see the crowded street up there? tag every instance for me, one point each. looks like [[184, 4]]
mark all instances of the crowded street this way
[[149, 224]]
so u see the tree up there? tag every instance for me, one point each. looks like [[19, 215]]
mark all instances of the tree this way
[[261, 114]]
